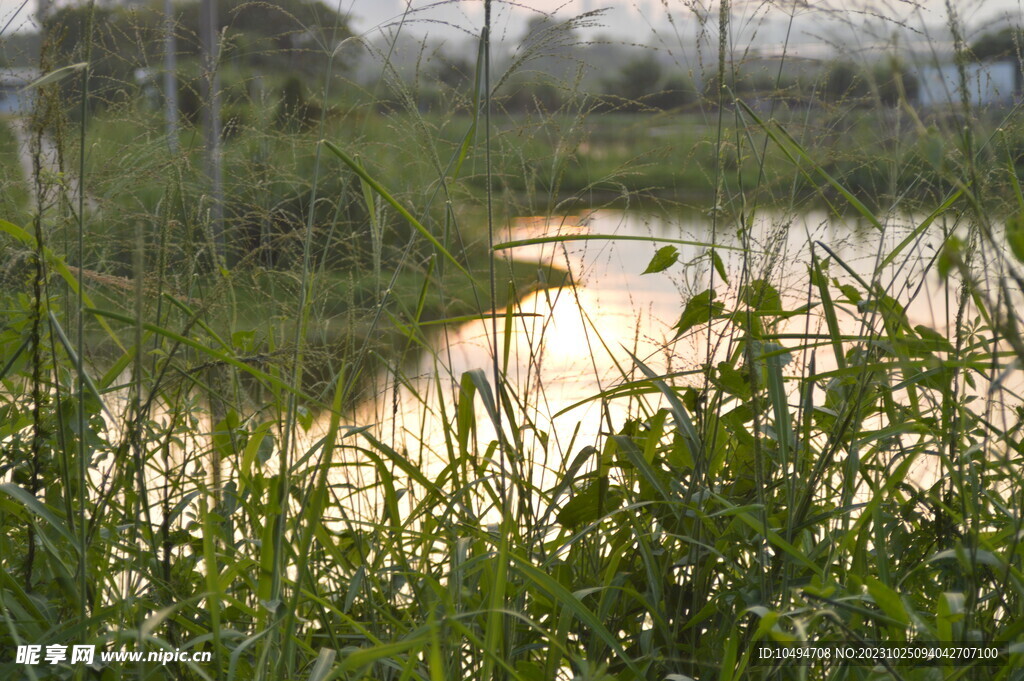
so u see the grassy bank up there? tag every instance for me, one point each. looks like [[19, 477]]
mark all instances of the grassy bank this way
[[882, 156]]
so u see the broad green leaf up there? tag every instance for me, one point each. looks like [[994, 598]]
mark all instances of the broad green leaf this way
[[927, 345], [245, 341], [465, 414], [647, 471], [767, 620], [951, 607], [851, 292], [978, 556], [772, 353], [888, 600], [590, 504], [683, 421], [732, 381], [226, 435], [699, 310], [828, 308], [761, 296], [776, 356], [665, 257], [950, 257]]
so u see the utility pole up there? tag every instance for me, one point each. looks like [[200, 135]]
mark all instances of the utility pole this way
[[211, 123], [170, 76]]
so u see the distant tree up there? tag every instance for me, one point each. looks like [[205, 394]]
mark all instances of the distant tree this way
[[844, 80], [452, 71], [1004, 44], [890, 77], [21, 49], [524, 94], [735, 84], [115, 55], [549, 46], [677, 91], [635, 80], [286, 36], [764, 80], [547, 35], [536, 27], [294, 110]]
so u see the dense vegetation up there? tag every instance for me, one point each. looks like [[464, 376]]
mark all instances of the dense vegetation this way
[[193, 456]]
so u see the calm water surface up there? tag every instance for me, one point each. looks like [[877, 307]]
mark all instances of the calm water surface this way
[[573, 343]]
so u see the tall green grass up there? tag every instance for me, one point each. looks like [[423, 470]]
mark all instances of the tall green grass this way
[[189, 462]]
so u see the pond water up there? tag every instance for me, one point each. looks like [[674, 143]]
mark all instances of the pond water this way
[[567, 347], [568, 354]]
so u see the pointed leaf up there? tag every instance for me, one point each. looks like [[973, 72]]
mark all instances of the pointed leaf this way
[[665, 257], [732, 381], [719, 265], [1015, 235], [888, 600], [589, 505], [761, 296], [699, 310], [56, 75], [34, 505]]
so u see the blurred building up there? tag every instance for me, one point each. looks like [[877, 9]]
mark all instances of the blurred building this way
[[986, 83], [14, 98]]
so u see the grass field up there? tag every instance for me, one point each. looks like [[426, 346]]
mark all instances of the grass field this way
[[192, 462]]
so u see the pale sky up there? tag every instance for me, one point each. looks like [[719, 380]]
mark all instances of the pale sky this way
[[636, 18], [623, 18]]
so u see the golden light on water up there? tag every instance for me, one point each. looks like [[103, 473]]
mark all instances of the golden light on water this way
[[580, 337]]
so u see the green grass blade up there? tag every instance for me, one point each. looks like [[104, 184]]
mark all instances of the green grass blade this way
[[917, 231], [384, 194], [791, 148], [322, 667], [58, 264], [828, 308], [569, 601], [36, 507], [208, 351], [79, 367], [564, 238], [683, 420]]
